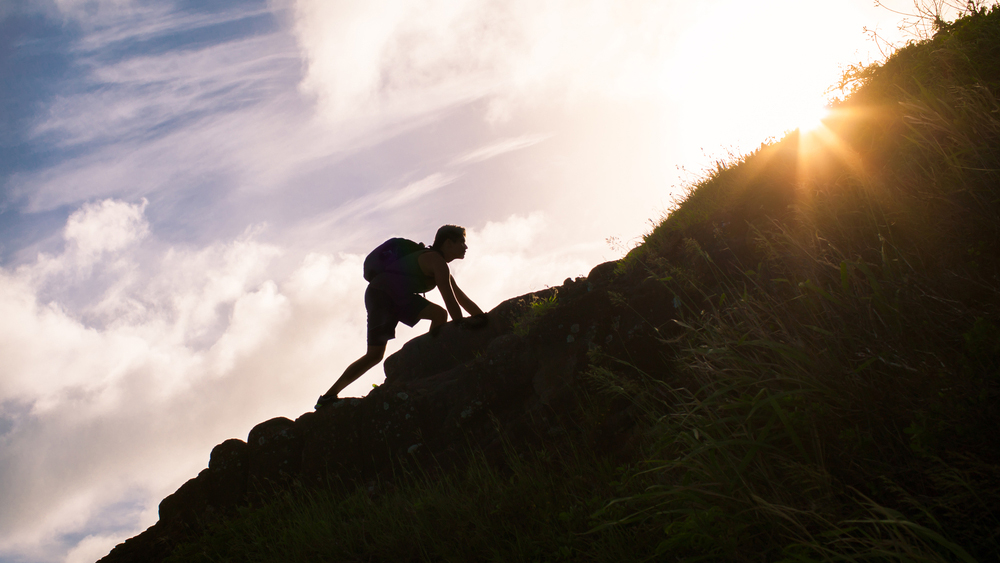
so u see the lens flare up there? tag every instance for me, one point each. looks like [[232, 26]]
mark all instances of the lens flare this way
[[810, 118]]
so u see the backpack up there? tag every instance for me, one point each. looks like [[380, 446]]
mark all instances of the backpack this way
[[386, 253]]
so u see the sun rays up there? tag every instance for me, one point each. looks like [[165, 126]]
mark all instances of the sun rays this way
[[810, 117]]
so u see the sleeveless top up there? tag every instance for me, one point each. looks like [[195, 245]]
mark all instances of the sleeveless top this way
[[405, 275]]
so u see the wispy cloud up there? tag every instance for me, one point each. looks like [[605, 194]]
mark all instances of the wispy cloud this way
[[376, 202], [500, 147], [415, 190], [123, 22], [144, 97], [135, 122]]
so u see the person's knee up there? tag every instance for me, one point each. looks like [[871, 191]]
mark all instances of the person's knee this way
[[439, 315], [375, 353]]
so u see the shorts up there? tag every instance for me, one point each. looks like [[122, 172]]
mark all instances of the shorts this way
[[386, 308]]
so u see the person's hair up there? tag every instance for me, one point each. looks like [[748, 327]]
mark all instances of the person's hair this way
[[448, 232]]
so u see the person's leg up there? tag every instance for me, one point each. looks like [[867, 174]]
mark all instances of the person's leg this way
[[436, 314], [381, 328], [356, 370]]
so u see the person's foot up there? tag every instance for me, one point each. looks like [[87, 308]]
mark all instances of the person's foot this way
[[325, 400]]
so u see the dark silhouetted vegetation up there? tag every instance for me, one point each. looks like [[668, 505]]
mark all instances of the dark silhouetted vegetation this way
[[831, 395]]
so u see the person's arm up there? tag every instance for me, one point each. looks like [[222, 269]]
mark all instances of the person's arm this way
[[464, 301], [442, 278]]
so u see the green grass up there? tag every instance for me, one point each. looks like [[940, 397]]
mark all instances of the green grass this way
[[833, 391], [531, 312]]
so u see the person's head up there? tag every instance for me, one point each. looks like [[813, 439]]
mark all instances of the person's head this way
[[450, 242]]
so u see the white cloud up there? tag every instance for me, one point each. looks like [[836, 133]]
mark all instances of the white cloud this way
[[129, 408], [210, 346], [362, 54], [108, 226], [516, 234], [516, 255], [93, 547], [407, 58]]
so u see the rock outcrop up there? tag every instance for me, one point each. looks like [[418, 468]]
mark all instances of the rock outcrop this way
[[514, 381]]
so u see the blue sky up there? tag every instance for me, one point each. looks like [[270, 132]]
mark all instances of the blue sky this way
[[187, 190]]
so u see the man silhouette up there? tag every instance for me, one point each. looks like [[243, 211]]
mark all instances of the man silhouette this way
[[392, 296]]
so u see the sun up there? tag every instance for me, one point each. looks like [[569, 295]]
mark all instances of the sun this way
[[810, 117]]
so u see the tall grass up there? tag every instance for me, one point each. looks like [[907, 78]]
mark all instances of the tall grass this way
[[837, 398], [827, 419], [537, 508], [831, 394]]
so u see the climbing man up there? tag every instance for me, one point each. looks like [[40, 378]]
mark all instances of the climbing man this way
[[393, 296]]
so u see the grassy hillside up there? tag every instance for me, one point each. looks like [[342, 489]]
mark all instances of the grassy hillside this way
[[829, 392]]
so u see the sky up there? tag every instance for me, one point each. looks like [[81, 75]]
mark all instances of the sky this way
[[188, 189]]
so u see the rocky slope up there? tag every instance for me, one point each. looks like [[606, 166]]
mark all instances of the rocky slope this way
[[513, 382]]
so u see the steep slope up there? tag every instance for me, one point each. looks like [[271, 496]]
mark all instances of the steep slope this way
[[802, 361], [513, 381]]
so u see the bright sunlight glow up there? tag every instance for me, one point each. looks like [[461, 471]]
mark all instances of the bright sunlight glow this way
[[775, 78], [809, 118]]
